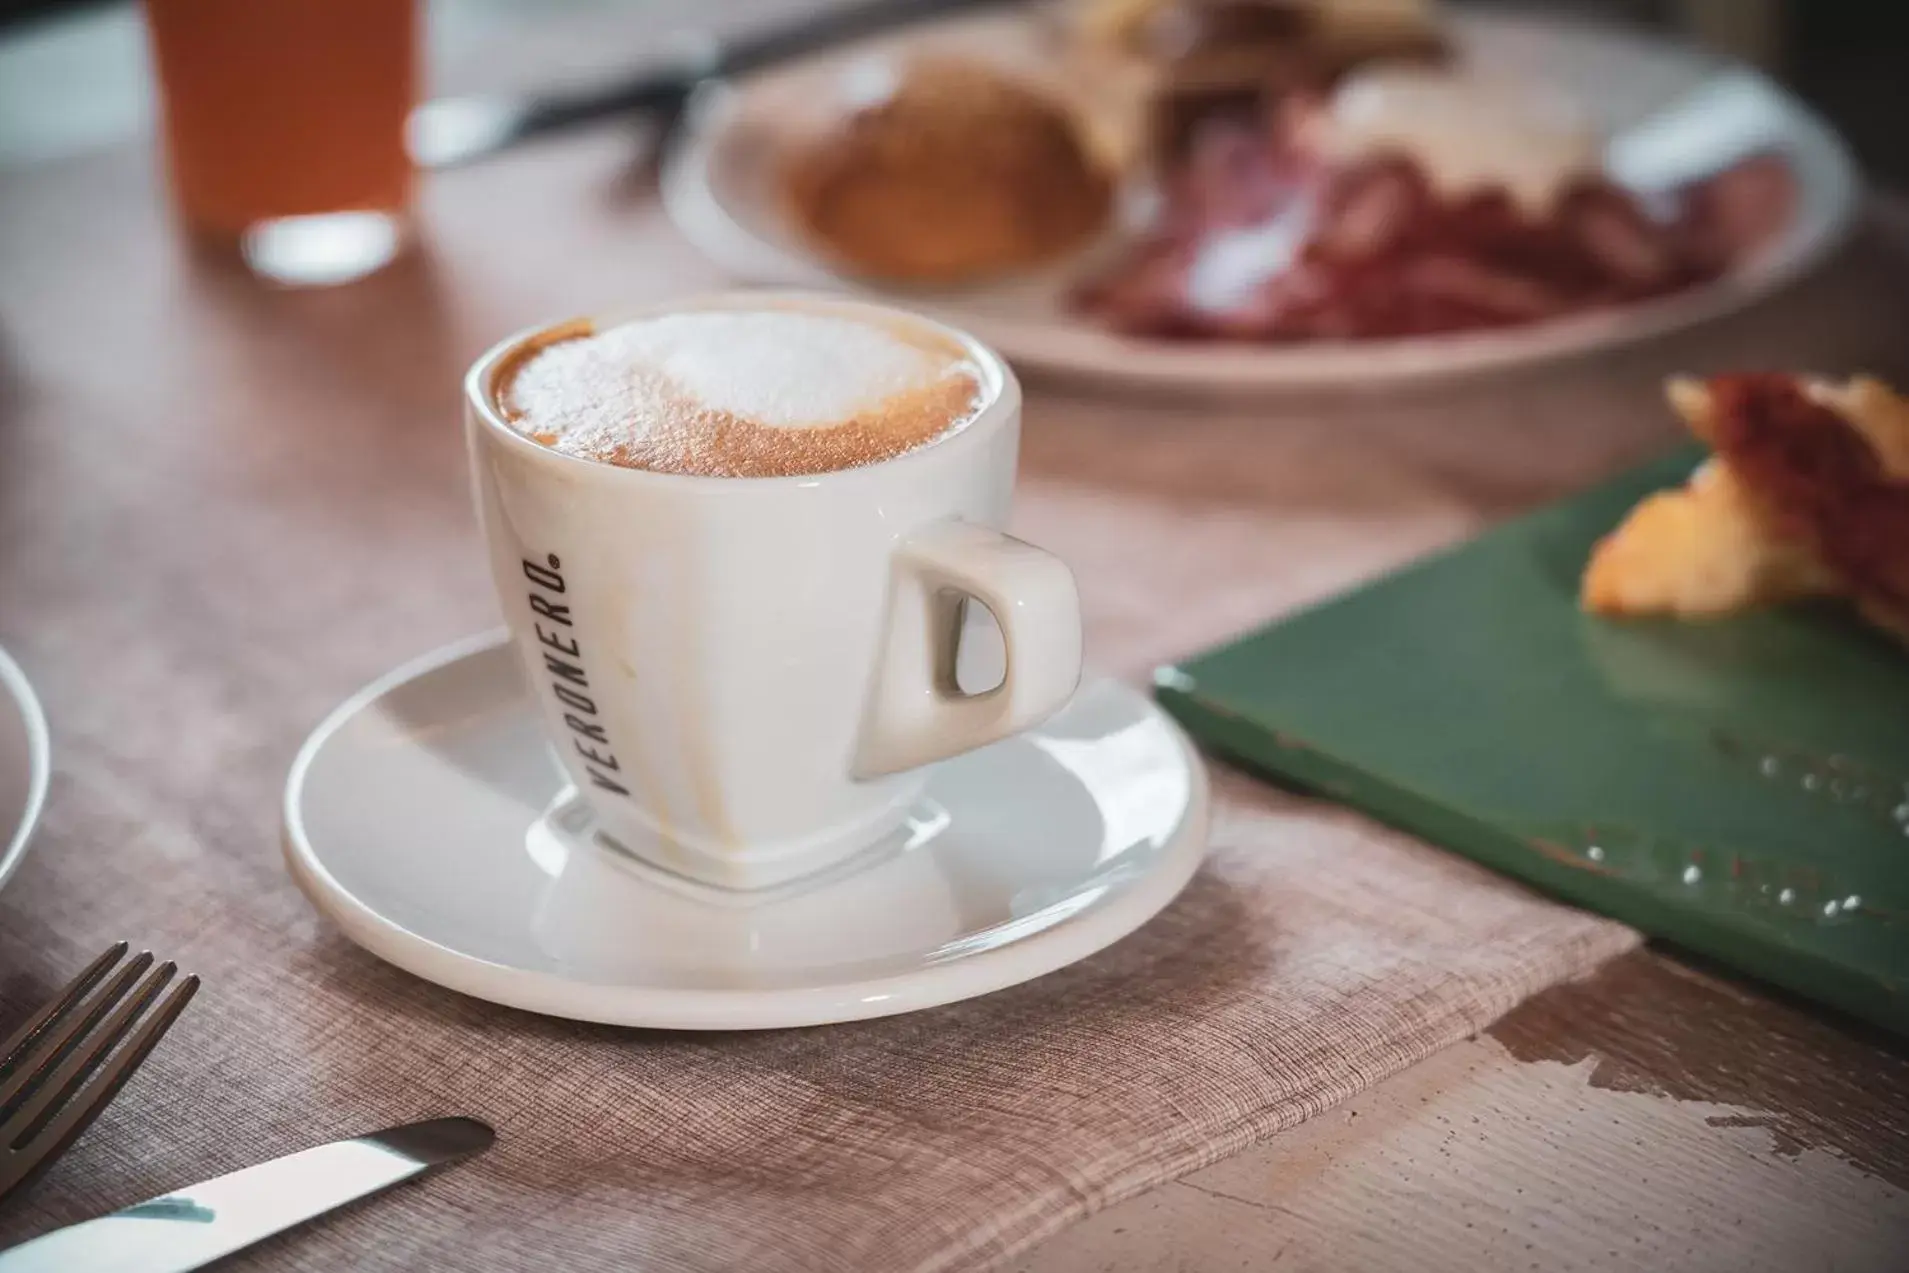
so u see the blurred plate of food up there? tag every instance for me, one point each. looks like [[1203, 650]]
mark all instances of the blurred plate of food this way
[[1269, 193]]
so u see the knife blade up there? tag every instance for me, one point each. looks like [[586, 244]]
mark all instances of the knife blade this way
[[1721, 121], [191, 1228], [457, 130]]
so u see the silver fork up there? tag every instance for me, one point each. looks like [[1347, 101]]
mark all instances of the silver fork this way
[[49, 1090]]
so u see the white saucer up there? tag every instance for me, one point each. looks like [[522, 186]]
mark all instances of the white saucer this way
[[428, 819], [24, 766]]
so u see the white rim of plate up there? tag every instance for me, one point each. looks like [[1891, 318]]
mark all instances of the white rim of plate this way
[[13, 679], [1064, 943], [1082, 350]]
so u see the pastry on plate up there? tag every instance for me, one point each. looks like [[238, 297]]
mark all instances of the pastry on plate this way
[[1807, 493], [951, 171]]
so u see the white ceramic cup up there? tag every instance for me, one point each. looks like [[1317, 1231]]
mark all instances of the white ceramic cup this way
[[744, 676]]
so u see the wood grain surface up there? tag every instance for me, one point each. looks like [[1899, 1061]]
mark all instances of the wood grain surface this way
[[1656, 1026]]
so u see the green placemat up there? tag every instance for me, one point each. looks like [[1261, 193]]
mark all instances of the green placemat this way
[[1739, 787]]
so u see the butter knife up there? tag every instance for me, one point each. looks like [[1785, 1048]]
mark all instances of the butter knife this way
[[191, 1228], [451, 131]]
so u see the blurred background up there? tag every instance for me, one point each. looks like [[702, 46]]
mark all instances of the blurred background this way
[[74, 76]]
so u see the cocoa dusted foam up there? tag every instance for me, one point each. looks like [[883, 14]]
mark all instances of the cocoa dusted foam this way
[[741, 393]]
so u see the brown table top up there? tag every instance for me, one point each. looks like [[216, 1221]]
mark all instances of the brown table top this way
[[133, 376]]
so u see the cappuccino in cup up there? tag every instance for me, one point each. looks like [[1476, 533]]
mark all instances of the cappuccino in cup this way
[[743, 393], [733, 539]]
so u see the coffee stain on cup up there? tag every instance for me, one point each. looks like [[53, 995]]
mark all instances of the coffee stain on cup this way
[[650, 782], [691, 706]]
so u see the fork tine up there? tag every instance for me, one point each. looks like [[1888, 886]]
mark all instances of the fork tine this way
[[47, 1098], [50, 1050], [52, 1139], [15, 1049]]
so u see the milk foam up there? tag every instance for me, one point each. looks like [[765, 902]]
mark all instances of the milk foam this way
[[742, 393]]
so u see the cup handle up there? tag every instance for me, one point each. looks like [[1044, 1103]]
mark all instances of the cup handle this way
[[916, 713]]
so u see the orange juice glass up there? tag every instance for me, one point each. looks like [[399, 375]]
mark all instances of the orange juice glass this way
[[284, 128]]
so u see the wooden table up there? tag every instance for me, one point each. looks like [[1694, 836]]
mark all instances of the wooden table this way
[[1653, 1116]]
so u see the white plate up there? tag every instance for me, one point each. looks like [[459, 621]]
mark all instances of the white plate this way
[[718, 184], [427, 817], [24, 766]]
